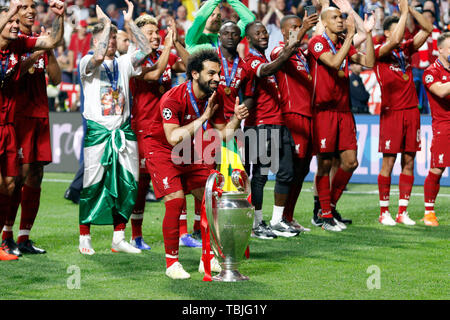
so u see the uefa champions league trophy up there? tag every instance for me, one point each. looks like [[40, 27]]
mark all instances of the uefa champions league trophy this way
[[230, 220]]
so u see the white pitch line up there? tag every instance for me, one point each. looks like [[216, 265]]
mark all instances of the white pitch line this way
[[393, 191]]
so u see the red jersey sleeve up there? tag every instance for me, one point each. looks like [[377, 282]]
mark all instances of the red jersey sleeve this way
[[170, 110], [275, 52], [248, 88], [318, 46], [352, 51], [430, 77], [173, 58], [254, 63]]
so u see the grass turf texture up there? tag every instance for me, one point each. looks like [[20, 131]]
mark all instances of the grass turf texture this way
[[413, 260]]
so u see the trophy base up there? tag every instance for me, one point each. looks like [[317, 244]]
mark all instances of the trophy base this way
[[230, 276]]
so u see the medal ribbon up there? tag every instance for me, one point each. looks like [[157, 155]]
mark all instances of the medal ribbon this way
[[400, 59], [5, 66], [114, 76], [194, 104], [330, 43], [152, 64], [304, 62], [229, 78]]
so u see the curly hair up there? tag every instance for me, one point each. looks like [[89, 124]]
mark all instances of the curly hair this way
[[195, 62]]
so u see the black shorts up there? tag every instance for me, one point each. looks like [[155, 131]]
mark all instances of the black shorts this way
[[270, 147]]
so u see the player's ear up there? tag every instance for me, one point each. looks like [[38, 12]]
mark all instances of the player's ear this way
[[195, 75]]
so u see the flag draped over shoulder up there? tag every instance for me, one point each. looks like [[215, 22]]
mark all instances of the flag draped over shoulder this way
[[231, 159], [110, 173]]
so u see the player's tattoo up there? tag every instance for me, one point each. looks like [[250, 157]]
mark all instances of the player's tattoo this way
[[141, 40], [137, 58], [56, 27], [100, 49]]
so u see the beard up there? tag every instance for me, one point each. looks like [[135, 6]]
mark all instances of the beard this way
[[205, 86]]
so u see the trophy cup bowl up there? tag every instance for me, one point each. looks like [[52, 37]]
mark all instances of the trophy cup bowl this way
[[230, 219]]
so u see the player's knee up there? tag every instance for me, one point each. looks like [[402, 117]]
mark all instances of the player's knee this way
[[10, 185], [350, 165]]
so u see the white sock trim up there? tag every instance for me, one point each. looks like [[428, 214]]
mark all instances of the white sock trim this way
[[427, 204], [24, 232], [7, 228], [171, 256], [384, 203], [403, 202], [136, 216], [183, 217], [197, 217]]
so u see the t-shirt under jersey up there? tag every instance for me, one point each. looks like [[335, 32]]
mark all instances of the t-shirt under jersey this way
[[101, 103]]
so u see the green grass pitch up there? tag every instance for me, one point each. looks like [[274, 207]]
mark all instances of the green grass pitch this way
[[413, 261]]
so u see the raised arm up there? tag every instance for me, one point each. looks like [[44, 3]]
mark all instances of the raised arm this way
[[335, 60], [399, 31], [102, 44], [196, 30], [52, 40], [14, 7], [425, 25], [244, 13], [154, 73], [368, 59], [141, 41], [179, 66]]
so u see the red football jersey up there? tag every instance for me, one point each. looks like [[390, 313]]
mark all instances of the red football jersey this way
[[10, 58], [440, 107], [147, 95], [294, 83], [35, 102], [176, 107], [330, 91], [265, 92], [241, 81], [397, 88]]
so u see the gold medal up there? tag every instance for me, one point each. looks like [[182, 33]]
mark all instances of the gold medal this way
[[115, 94], [227, 90], [405, 77], [162, 89], [341, 73], [309, 77], [31, 70]]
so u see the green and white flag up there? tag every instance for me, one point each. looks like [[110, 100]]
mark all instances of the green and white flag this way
[[111, 173]]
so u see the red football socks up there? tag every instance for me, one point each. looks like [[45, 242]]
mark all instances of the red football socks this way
[[10, 217], [85, 229], [340, 181], [171, 219], [384, 189], [431, 189], [405, 187], [30, 206], [183, 220], [138, 212], [323, 190], [198, 210], [291, 201], [5, 201]]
